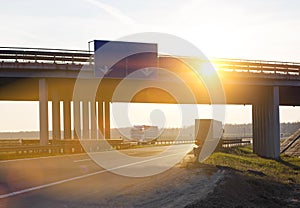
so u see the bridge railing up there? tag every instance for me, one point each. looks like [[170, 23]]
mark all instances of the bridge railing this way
[[258, 66], [263, 67], [43, 56]]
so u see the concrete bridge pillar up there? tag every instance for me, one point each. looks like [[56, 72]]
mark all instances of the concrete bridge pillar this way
[[56, 118], [107, 119], [93, 120], [77, 126], [266, 126], [67, 119], [100, 120], [43, 108], [85, 119]]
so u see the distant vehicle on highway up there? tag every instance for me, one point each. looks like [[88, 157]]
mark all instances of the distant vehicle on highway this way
[[144, 134]]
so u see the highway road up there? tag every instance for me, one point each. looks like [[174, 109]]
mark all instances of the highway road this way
[[78, 181]]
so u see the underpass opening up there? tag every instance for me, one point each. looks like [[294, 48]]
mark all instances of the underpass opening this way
[[17, 116]]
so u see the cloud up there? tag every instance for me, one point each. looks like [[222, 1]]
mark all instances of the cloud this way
[[112, 11]]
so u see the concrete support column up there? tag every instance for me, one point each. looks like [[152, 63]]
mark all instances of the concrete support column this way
[[93, 120], [77, 126], [100, 120], [266, 126], [67, 119], [85, 121], [43, 107], [56, 118], [107, 119]]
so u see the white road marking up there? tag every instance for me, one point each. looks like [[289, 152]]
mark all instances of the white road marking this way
[[77, 178], [76, 161]]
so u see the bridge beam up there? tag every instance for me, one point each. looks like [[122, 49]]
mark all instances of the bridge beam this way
[[56, 118], [43, 108], [107, 119], [266, 126], [67, 119]]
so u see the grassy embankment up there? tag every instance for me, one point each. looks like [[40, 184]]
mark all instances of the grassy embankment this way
[[241, 159]]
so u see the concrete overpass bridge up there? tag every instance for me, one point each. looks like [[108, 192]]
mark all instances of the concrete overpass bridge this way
[[28, 74]]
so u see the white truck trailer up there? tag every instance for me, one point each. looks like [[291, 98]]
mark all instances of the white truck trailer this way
[[208, 133]]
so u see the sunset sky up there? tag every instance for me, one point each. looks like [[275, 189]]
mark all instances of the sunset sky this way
[[268, 30]]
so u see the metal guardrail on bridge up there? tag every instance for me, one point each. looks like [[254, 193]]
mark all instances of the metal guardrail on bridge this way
[[19, 57], [258, 66]]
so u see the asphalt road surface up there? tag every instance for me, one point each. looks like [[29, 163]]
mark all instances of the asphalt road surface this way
[[78, 181]]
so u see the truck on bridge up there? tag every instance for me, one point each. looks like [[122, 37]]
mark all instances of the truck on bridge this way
[[144, 134]]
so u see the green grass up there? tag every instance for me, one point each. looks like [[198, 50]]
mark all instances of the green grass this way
[[286, 170]]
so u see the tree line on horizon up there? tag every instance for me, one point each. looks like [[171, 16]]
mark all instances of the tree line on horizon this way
[[230, 130]]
